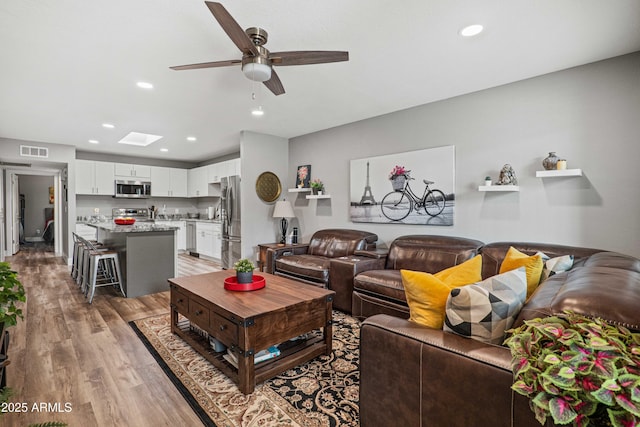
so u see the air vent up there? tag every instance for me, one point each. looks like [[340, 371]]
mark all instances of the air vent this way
[[30, 151]]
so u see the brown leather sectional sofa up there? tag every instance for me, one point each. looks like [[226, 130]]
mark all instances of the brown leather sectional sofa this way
[[412, 375]]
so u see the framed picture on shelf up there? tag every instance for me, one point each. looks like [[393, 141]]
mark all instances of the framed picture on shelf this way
[[303, 176]]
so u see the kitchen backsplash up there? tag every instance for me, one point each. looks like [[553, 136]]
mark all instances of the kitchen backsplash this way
[[87, 205]]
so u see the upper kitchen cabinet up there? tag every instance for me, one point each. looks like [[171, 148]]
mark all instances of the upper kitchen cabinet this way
[[219, 170], [168, 182], [197, 182], [132, 171], [95, 178]]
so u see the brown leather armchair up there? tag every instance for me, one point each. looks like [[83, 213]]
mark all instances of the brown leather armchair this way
[[310, 263]]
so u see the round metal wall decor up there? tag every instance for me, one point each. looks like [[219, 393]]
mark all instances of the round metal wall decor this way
[[268, 187]]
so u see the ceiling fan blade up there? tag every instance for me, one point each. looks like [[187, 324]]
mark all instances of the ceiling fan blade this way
[[305, 57], [207, 65], [274, 84], [231, 27]]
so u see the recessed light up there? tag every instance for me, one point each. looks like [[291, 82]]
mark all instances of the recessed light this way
[[471, 30], [141, 139], [258, 112], [164, 149], [191, 138], [108, 125], [144, 85], [94, 141]]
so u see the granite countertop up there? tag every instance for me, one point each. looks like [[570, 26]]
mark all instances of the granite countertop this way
[[141, 227]]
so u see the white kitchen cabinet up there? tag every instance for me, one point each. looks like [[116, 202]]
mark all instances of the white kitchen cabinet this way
[[96, 178], [181, 232], [168, 182], [217, 241], [205, 239], [233, 167], [213, 173], [126, 170], [197, 182]]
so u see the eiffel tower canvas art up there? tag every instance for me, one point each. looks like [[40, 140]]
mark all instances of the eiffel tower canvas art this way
[[424, 195]]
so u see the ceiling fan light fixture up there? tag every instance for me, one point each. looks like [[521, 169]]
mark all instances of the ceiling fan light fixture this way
[[256, 71]]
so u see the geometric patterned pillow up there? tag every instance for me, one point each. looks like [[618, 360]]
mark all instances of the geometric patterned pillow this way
[[554, 265], [485, 310]]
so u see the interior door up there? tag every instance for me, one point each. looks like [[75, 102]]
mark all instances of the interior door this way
[[15, 214]]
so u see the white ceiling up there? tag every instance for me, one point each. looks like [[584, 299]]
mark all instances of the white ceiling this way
[[67, 66]]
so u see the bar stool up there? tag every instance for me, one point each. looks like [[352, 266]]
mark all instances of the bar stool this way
[[104, 271], [97, 266]]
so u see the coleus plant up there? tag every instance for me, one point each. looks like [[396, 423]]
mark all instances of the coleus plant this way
[[577, 370]]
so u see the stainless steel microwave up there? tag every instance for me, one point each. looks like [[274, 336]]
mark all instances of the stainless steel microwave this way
[[133, 189]]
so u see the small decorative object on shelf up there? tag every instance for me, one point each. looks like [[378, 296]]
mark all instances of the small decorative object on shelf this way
[[244, 270], [398, 177], [507, 176], [317, 186], [561, 165], [550, 162], [487, 181]]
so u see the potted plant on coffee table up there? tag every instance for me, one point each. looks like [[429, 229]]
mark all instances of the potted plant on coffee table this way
[[577, 370], [244, 271]]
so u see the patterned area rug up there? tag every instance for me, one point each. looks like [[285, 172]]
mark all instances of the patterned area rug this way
[[322, 392]]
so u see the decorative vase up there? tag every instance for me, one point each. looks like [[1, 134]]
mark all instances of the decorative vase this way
[[244, 276], [550, 162], [397, 182], [314, 190], [487, 182]]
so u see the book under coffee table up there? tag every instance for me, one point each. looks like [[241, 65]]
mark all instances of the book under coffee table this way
[[247, 322]]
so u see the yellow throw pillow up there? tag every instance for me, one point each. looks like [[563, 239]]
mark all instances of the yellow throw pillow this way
[[427, 293], [532, 264], [469, 271]]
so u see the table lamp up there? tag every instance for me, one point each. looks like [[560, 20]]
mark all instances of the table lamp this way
[[284, 210]]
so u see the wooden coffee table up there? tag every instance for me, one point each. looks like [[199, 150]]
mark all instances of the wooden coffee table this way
[[247, 322]]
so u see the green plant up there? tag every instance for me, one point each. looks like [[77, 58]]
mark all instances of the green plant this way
[[317, 184], [11, 291], [577, 370], [243, 266]]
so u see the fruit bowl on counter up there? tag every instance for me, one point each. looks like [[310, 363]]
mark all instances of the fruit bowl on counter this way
[[124, 221]]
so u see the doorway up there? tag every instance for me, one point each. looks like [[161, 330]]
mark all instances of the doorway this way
[[32, 211]]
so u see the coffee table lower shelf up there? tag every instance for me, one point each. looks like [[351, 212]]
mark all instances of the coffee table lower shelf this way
[[289, 358]]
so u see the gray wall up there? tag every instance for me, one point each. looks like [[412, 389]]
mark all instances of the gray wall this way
[[589, 115], [36, 191], [260, 153]]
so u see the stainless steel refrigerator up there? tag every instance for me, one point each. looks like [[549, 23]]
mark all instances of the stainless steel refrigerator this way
[[230, 217]]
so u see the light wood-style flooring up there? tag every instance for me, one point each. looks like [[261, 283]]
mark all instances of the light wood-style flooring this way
[[68, 354]]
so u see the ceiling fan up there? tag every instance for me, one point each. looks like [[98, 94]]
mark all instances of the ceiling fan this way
[[257, 62]]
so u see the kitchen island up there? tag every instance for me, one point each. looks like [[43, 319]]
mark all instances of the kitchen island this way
[[147, 252]]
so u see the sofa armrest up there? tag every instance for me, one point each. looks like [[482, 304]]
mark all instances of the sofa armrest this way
[[377, 253], [413, 375], [274, 253], [342, 271]]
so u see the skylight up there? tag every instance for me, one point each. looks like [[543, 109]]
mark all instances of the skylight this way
[[140, 139]]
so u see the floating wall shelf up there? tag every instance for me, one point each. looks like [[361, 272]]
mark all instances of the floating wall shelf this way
[[498, 188], [319, 196], [558, 173], [299, 190]]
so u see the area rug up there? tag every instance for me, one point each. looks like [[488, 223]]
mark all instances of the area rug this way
[[322, 392]]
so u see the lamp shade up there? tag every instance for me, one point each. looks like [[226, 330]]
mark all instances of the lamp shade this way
[[283, 209]]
